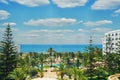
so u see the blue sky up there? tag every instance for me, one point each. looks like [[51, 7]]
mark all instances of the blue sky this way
[[59, 21]]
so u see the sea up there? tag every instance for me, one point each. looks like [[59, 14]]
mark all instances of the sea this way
[[57, 47]]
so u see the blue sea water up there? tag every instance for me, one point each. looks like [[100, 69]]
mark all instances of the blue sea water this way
[[58, 48]]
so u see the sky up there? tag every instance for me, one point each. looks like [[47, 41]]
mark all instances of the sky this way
[[59, 21]]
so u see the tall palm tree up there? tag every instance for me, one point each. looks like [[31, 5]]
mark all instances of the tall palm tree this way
[[38, 61], [51, 50], [78, 63], [41, 61]]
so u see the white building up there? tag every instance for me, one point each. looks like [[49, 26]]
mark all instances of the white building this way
[[111, 41]]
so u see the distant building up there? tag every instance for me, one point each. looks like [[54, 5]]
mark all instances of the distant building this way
[[111, 41]]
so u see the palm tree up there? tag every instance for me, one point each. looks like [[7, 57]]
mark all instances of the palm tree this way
[[51, 50], [41, 61], [20, 73], [38, 61], [74, 73], [62, 70], [77, 74], [81, 75], [78, 63]]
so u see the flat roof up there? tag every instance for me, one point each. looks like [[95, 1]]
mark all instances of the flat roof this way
[[114, 31]]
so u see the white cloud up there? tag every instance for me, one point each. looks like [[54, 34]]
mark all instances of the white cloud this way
[[4, 1], [100, 30], [44, 36], [32, 3], [69, 3], [51, 22], [106, 4], [80, 30], [4, 15], [50, 31], [98, 23], [61, 36], [117, 11], [38, 31], [10, 23], [30, 35]]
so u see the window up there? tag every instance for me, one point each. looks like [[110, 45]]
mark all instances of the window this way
[[112, 43], [112, 34]]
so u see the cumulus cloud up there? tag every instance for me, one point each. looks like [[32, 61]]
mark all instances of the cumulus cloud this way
[[61, 36], [10, 23], [4, 14], [100, 30], [51, 22], [80, 30], [4, 1], [32, 3], [106, 4], [69, 3], [51, 31], [98, 23], [117, 11], [30, 35]]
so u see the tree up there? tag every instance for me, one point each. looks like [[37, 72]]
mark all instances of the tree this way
[[62, 70], [109, 56], [20, 73], [50, 50], [8, 55], [91, 56], [75, 73], [78, 63]]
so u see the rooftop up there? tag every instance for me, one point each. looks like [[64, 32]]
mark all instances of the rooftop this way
[[115, 31]]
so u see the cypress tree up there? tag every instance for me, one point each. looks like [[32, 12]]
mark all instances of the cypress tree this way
[[91, 56], [8, 54]]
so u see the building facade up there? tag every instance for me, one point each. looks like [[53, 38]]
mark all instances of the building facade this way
[[111, 41]]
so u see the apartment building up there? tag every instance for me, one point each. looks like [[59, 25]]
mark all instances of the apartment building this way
[[111, 41]]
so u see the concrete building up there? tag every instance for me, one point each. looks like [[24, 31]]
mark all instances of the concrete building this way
[[111, 41]]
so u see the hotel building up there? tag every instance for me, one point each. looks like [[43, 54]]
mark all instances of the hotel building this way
[[111, 41]]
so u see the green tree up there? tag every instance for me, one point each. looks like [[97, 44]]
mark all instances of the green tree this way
[[91, 60], [77, 74], [20, 73], [62, 70], [78, 63], [8, 55], [51, 50], [109, 56]]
